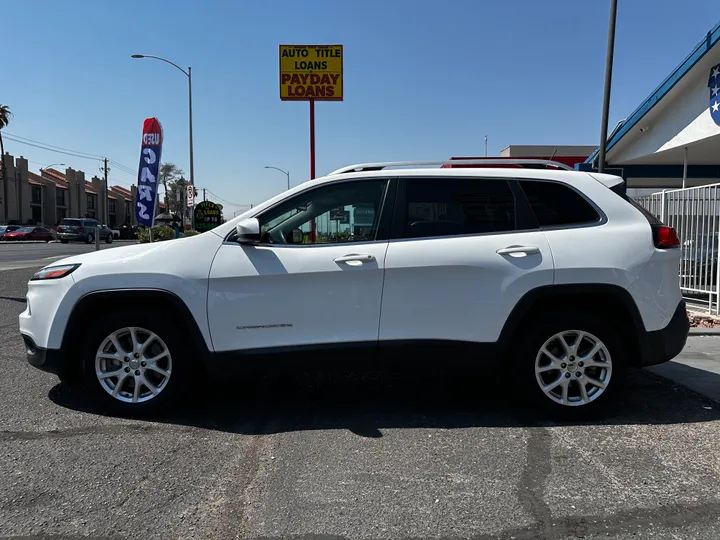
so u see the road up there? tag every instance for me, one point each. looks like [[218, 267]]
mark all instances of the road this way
[[28, 255], [358, 457]]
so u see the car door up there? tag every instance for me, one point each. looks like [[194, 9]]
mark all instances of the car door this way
[[316, 276], [463, 251]]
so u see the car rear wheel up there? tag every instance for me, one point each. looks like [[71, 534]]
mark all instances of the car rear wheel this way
[[109, 239], [90, 239], [135, 363], [64, 241], [570, 365]]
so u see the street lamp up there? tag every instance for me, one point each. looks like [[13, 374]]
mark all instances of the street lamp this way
[[286, 173], [42, 169], [188, 74]]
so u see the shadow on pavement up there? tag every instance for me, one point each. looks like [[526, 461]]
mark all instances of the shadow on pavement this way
[[365, 403]]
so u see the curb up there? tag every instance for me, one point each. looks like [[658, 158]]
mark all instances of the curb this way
[[699, 331]]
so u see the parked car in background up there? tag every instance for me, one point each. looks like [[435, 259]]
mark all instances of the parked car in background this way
[[8, 228], [83, 230], [29, 233]]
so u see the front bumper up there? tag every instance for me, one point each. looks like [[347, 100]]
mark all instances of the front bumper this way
[[665, 344], [49, 360]]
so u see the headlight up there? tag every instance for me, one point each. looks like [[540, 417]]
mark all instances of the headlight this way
[[54, 272]]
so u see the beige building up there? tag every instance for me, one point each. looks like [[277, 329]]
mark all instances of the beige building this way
[[50, 196]]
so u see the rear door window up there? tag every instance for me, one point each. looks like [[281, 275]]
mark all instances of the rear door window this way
[[457, 206]]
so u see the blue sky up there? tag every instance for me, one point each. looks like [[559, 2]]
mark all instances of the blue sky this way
[[423, 79]]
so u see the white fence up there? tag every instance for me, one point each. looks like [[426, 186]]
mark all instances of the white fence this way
[[695, 215]]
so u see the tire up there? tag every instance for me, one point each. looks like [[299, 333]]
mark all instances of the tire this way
[[90, 239], [176, 365], [64, 241], [109, 239], [609, 370]]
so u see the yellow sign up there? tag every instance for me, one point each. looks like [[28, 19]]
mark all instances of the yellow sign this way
[[311, 72]]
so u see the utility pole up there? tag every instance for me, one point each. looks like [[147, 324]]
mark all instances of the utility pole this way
[[204, 194], [105, 206], [608, 83]]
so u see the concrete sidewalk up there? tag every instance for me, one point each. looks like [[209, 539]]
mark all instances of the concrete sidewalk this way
[[698, 366]]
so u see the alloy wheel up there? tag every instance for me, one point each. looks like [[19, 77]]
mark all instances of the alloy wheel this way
[[133, 365], [573, 368]]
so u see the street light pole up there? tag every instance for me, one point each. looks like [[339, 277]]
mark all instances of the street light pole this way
[[608, 83], [188, 74], [286, 173]]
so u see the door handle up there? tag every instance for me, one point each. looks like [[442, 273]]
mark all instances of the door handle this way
[[527, 250], [355, 257]]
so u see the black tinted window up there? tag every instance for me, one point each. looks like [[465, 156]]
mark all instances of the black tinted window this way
[[557, 205], [451, 206]]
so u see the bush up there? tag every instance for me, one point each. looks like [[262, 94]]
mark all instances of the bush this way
[[189, 233], [160, 233]]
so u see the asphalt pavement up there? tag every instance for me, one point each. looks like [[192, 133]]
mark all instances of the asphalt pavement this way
[[355, 457], [24, 255]]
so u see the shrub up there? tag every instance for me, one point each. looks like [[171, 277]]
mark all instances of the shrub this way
[[160, 233], [189, 233]]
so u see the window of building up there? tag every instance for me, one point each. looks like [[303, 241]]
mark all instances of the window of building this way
[[456, 206], [36, 194], [342, 212], [91, 201], [112, 205], [60, 197], [61, 213], [556, 205], [36, 212]]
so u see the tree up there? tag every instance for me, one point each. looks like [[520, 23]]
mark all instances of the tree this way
[[5, 115], [177, 196], [168, 173]]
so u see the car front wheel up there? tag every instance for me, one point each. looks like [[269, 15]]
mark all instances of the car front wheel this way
[[135, 363], [572, 365]]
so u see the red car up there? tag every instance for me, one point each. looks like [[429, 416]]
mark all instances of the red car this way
[[29, 233]]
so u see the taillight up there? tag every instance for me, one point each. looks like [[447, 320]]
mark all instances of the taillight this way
[[80, 229], [665, 237]]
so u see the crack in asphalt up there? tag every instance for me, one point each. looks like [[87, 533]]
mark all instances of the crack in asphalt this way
[[113, 429]]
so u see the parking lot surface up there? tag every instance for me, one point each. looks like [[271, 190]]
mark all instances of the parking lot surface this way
[[22, 255], [354, 457]]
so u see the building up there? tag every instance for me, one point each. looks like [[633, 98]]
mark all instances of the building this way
[[567, 155], [673, 137], [49, 197]]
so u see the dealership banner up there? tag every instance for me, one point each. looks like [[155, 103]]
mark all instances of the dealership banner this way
[[149, 172]]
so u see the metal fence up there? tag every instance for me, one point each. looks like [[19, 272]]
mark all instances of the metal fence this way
[[695, 215]]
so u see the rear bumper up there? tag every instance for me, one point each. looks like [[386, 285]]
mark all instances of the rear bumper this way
[[665, 344], [49, 360]]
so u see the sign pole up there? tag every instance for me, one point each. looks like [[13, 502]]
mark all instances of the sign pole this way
[[312, 160]]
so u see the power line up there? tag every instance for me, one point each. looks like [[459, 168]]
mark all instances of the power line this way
[[10, 138], [53, 146]]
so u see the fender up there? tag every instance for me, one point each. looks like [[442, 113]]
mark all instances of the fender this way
[[625, 310], [179, 307]]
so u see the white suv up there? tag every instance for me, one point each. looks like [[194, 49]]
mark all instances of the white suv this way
[[549, 274]]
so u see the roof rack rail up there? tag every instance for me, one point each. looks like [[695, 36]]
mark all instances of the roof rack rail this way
[[362, 167]]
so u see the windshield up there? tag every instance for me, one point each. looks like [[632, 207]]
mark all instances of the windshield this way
[[24, 229], [70, 222]]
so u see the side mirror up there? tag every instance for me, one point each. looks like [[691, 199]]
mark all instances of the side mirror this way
[[248, 231]]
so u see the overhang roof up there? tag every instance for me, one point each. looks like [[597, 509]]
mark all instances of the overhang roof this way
[[695, 64]]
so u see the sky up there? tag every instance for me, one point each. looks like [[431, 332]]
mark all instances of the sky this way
[[423, 80]]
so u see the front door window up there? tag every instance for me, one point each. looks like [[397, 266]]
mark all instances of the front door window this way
[[342, 212]]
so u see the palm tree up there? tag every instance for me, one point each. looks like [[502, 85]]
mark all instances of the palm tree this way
[[5, 115], [168, 173]]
